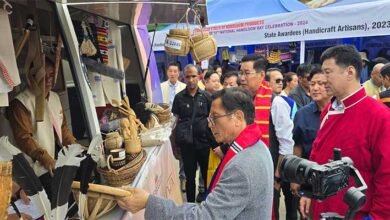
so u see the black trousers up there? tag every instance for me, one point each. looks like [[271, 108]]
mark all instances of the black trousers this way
[[291, 202], [191, 158]]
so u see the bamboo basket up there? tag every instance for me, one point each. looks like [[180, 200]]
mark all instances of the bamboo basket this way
[[165, 115], [203, 45], [126, 174], [5, 187], [100, 199], [177, 42]]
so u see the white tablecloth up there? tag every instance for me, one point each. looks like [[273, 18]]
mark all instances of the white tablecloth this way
[[159, 176]]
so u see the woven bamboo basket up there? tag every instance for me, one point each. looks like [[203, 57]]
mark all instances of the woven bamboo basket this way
[[203, 46], [100, 199], [165, 115], [126, 174], [5, 187], [177, 42]]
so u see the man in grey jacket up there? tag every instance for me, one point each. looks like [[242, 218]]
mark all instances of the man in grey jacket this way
[[241, 187]]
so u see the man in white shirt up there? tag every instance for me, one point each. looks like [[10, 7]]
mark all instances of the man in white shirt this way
[[172, 86], [283, 110], [169, 90]]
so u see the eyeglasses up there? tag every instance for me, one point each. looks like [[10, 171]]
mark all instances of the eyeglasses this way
[[246, 73], [278, 81], [212, 120]]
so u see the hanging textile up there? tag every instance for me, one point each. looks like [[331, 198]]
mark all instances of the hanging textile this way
[[101, 33], [9, 74], [111, 86]]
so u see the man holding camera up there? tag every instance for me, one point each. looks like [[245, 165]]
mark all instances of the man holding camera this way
[[360, 127]]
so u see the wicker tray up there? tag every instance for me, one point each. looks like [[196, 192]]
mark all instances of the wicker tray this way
[[100, 199], [126, 174]]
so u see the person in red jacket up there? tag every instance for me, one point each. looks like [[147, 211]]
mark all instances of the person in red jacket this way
[[360, 127]]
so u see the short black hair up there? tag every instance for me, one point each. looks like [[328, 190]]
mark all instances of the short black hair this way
[[268, 73], [344, 56], [215, 67], [237, 98], [379, 60], [316, 69], [259, 62], [385, 71], [209, 74], [288, 77], [173, 64], [192, 66], [230, 74], [303, 69]]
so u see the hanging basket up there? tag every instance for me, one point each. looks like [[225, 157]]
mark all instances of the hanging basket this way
[[5, 187], [177, 41], [126, 174], [203, 45]]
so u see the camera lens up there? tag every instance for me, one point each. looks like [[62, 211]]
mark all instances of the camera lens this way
[[295, 169]]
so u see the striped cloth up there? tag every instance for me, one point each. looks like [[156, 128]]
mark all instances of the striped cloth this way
[[262, 103], [6, 75]]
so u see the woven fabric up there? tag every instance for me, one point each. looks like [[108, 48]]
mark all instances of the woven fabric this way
[[263, 110]]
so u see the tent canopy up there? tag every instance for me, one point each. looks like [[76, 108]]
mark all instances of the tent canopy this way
[[220, 11], [355, 19]]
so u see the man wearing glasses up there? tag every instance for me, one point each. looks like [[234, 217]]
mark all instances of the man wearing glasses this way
[[301, 94], [272, 115], [275, 78], [242, 186]]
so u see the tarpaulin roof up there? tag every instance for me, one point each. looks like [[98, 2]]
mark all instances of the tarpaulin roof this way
[[219, 11]]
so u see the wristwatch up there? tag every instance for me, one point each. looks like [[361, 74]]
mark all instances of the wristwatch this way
[[277, 179]]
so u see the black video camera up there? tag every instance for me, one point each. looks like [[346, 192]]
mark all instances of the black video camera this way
[[317, 181], [322, 181]]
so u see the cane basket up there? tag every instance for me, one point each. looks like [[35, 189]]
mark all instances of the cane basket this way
[[203, 46], [5, 187], [126, 174], [100, 199], [177, 42], [164, 115]]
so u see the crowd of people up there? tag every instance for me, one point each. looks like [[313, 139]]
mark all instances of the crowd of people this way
[[252, 117]]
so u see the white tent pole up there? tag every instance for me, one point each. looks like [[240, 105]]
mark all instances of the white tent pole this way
[[302, 55]]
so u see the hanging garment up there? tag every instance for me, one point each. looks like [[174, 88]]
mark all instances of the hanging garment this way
[[9, 74]]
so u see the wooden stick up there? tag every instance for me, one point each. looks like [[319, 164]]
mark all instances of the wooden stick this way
[[103, 189]]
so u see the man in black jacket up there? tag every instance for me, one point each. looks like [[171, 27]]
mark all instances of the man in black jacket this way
[[192, 106]]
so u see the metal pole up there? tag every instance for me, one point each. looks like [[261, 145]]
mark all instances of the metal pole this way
[[150, 53], [302, 54], [71, 43]]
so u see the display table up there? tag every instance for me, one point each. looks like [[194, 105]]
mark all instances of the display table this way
[[159, 176]]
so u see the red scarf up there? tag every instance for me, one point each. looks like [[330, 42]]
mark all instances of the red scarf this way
[[247, 138], [262, 103]]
